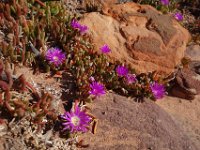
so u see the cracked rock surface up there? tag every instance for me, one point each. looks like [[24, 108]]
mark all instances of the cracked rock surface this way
[[139, 35]]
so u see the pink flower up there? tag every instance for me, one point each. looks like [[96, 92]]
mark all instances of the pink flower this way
[[164, 2], [76, 120], [158, 90], [97, 89], [83, 29], [76, 25], [55, 56], [121, 71], [131, 78], [105, 49], [178, 16]]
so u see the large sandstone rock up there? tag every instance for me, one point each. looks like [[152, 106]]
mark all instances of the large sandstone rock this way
[[139, 35], [128, 125]]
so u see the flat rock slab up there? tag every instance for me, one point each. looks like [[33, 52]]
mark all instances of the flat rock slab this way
[[128, 125]]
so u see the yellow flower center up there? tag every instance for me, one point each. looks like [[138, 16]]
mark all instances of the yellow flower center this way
[[55, 58], [75, 120]]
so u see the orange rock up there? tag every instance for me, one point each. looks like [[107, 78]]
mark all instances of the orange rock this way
[[139, 35]]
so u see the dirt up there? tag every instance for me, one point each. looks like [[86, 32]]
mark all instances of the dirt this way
[[40, 79]]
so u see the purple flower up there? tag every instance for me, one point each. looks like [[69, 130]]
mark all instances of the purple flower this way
[[97, 89], [55, 56], [178, 16], [158, 90], [131, 78], [76, 25], [76, 120], [105, 49], [164, 2], [83, 29], [121, 71]]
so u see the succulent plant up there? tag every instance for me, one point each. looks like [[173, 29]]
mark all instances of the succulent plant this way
[[31, 29], [39, 107], [24, 22]]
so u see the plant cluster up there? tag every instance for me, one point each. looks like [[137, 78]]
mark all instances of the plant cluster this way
[[29, 27], [38, 107], [43, 35], [86, 64], [33, 26]]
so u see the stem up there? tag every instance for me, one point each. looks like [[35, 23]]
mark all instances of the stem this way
[[37, 53]]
